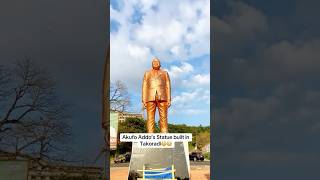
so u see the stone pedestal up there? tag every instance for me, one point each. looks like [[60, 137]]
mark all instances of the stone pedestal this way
[[157, 158]]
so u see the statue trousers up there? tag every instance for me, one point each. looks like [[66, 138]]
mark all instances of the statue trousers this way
[[163, 115]]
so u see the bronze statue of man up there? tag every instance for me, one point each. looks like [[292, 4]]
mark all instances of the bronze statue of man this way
[[156, 92]]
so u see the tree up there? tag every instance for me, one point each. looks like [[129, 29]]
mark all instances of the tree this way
[[203, 139], [131, 125], [33, 119], [119, 97]]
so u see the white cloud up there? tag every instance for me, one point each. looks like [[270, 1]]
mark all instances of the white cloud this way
[[188, 99], [161, 37], [176, 50], [147, 4], [202, 79], [178, 30], [177, 72], [138, 52], [198, 80], [244, 22], [185, 98], [295, 57], [192, 103], [195, 111], [128, 57]]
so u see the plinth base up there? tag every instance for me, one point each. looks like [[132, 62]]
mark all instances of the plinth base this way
[[159, 158]]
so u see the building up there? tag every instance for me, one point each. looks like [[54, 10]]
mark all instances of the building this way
[[42, 170], [206, 148], [37, 172], [117, 117], [122, 116]]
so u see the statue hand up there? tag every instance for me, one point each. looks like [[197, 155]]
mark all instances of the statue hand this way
[[168, 103], [144, 104]]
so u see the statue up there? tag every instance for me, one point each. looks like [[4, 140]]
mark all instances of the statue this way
[[156, 92]]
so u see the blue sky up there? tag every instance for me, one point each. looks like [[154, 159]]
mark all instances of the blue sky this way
[[178, 33]]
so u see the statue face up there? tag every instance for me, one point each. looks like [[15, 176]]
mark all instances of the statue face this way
[[156, 64]]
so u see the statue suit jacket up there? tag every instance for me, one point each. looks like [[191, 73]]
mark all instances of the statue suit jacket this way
[[156, 82]]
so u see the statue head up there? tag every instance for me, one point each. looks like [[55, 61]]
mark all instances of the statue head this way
[[156, 64]]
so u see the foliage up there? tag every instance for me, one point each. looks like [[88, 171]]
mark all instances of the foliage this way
[[195, 130], [207, 155], [132, 125], [191, 146], [202, 139]]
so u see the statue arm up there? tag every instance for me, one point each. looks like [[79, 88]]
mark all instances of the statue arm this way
[[144, 89], [168, 89]]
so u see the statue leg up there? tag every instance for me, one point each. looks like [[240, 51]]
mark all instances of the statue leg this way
[[151, 110], [163, 116]]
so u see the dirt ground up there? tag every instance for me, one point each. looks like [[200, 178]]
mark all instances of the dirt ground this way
[[197, 173]]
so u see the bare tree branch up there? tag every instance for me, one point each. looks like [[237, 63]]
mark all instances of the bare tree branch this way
[[119, 97], [4, 82], [34, 120]]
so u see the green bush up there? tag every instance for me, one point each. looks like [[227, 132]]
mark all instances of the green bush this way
[[207, 155]]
